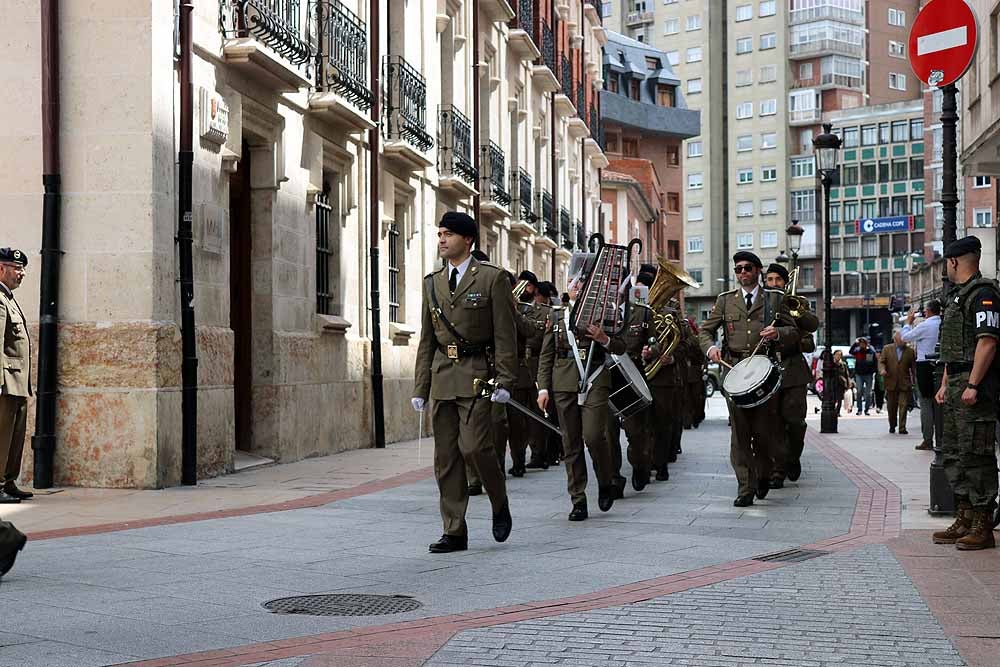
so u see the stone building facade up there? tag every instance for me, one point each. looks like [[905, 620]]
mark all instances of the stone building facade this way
[[282, 100]]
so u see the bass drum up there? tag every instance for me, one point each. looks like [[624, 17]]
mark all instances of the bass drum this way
[[752, 381], [629, 392]]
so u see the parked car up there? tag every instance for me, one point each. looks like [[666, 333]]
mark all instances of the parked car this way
[[712, 378]]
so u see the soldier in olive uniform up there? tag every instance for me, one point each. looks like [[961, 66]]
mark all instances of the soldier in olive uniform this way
[[968, 392], [467, 333], [535, 309], [794, 386], [638, 427], [745, 316], [694, 395], [582, 417], [15, 387]]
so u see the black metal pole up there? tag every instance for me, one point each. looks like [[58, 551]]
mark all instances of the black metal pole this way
[[477, 200], [185, 242], [942, 499], [43, 441], [828, 416], [378, 400]]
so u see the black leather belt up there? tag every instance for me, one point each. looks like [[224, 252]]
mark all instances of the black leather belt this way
[[958, 366], [568, 354], [456, 351]]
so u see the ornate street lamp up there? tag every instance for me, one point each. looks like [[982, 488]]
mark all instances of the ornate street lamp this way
[[793, 237], [782, 258], [827, 150]]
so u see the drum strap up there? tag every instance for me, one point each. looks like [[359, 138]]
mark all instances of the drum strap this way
[[585, 382]]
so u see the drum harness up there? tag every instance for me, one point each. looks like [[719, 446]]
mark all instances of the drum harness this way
[[586, 378]]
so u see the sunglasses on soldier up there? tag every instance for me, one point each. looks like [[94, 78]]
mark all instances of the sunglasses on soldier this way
[[743, 268]]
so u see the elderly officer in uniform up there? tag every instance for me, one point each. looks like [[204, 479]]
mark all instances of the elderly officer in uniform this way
[[16, 388], [794, 386], [969, 333], [746, 315], [467, 333], [583, 419]]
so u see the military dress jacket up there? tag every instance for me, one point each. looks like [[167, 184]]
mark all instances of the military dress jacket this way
[[537, 314], [16, 355], [741, 328], [482, 312], [526, 329], [641, 327], [796, 370], [557, 369]]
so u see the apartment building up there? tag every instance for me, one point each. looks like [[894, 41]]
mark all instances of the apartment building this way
[[645, 124], [283, 209]]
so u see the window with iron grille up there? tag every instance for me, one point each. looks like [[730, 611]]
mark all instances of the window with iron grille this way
[[324, 252], [394, 283]]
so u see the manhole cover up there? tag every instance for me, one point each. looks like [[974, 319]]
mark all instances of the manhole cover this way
[[343, 605], [792, 555]]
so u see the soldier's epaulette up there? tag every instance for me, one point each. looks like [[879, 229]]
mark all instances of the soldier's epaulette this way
[[439, 270], [544, 305], [732, 291]]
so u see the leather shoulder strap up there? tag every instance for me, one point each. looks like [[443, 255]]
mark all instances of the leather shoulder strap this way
[[436, 309]]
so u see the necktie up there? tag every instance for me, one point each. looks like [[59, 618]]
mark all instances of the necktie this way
[[749, 301], [453, 281]]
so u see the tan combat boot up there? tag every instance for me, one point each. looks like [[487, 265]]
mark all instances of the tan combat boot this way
[[980, 535], [959, 529]]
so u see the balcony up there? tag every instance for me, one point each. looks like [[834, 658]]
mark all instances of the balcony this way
[[268, 39], [592, 10], [498, 11], [543, 72], [564, 98], [405, 126], [521, 206], [826, 12], [522, 30], [566, 229], [827, 81], [805, 116], [577, 125], [455, 169], [639, 19], [342, 94], [547, 233], [493, 184], [824, 47], [581, 237]]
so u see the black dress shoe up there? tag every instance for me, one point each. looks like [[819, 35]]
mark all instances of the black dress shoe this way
[[502, 523], [475, 489], [763, 486], [606, 497], [892, 429], [794, 471], [536, 465], [7, 499], [903, 431], [777, 483], [662, 474], [743, 501], [7, 562], [579, 512], [620, 484], [449, 543], [516, 471], [640, 478], [11, 490], [679, 450]]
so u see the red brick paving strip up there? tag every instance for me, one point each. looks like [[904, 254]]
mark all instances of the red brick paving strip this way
[[306, 502], [409, 644]]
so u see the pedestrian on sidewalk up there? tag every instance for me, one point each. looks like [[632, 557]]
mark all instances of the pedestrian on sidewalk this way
[[865, 366], [11, 542], [969, 333], [895, 365], [15, 359], [842, 377], [924, 337], [474, 339]]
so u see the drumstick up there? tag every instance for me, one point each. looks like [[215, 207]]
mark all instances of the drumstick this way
[[729, 366]]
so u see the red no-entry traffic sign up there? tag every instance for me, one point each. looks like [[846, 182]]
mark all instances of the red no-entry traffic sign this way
[[943, 41]]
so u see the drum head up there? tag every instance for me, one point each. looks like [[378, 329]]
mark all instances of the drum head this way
[[747, 374]]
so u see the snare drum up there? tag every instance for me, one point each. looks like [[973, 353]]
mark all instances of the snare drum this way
[[752, 381], [629, 393]]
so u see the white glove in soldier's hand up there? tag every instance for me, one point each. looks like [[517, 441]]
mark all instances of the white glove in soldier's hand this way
[[418, 403], [500, 395]]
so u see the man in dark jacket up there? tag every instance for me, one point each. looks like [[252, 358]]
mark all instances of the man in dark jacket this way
[[865, 366]]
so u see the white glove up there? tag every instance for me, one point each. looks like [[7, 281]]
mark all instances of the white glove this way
[[418, 403], [500, 395]]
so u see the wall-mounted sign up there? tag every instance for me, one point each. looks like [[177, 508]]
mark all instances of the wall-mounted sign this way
[[894, 223], [214, 116]]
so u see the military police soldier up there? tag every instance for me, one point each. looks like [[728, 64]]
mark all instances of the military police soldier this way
[[467, 333], [795, 379], [745, 316], [969, 333], [15, 360], [581, 422]]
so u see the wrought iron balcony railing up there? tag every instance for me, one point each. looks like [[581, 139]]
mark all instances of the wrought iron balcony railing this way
[[580, 109], [495, 175], [526, 16], [581, 237], [566, 78], [277, 24], [405, 104], [522, 186], [548, 46], [455, 144], [565, 228], [596, 127], [547, 223], [342, 52]]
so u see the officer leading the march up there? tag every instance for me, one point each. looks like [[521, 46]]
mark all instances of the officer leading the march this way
[[968, 392], [467, 333]]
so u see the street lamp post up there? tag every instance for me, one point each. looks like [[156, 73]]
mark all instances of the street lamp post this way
[[793, 237], [826, 147]]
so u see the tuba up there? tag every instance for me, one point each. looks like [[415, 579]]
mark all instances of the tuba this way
[[797, 305], [600, 299], [670, 280]]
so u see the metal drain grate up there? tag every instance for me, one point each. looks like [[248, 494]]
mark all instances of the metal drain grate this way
[[343, 605], [792, 555]]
